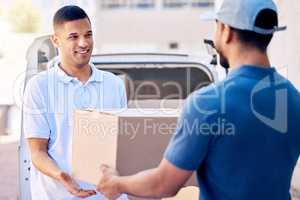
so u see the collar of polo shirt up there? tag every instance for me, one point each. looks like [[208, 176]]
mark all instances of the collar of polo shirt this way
[[95, 77]]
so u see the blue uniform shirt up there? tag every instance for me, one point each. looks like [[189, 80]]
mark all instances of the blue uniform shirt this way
[[241, 135]]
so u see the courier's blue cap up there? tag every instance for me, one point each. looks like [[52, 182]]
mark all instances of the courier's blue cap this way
[[242, 14]]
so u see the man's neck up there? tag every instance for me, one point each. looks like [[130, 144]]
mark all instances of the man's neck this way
[[81, 73], [249, 57]]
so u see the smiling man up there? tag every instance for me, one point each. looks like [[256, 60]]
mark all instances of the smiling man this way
[[50, 100]]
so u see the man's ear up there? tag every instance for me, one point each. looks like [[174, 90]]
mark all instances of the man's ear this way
[[55, 40], [228, 34]]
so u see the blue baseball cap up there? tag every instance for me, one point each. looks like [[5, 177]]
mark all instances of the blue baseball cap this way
[[242, 14]]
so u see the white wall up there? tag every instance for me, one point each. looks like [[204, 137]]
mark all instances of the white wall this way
[[150, 30], [285, 48]]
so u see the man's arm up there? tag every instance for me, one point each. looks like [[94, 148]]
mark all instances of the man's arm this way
[[42, 161], [163, 181], [40, 158]]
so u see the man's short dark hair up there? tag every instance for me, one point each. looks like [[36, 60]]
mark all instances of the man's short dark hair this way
[[266, 19], [68, 13]]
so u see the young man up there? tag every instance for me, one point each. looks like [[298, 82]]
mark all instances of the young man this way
[[241, 135], [50, 100]]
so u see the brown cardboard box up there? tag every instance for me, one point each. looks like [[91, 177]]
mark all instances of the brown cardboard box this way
[[130, 141]]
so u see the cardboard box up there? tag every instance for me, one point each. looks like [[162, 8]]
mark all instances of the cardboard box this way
[[130, 141]]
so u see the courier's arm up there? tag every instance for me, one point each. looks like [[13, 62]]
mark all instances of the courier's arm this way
[[163, 181]]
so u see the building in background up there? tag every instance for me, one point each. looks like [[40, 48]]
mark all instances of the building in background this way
[[170, 26], [151, 25], [141, 25], [285, 48]]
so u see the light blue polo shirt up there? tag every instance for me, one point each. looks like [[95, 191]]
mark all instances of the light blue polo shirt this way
[[49, 102], [241, 135]]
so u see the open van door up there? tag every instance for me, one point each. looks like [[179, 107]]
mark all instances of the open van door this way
[[38, 55]]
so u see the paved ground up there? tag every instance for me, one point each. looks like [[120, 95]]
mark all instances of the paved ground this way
[[8, 171]]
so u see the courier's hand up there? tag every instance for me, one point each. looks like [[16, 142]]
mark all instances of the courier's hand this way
[[71, 185], [108, 184]]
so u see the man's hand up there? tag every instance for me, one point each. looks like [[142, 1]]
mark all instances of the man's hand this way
[[163, 181], [42, 161], [72, 187], [108, 185]]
